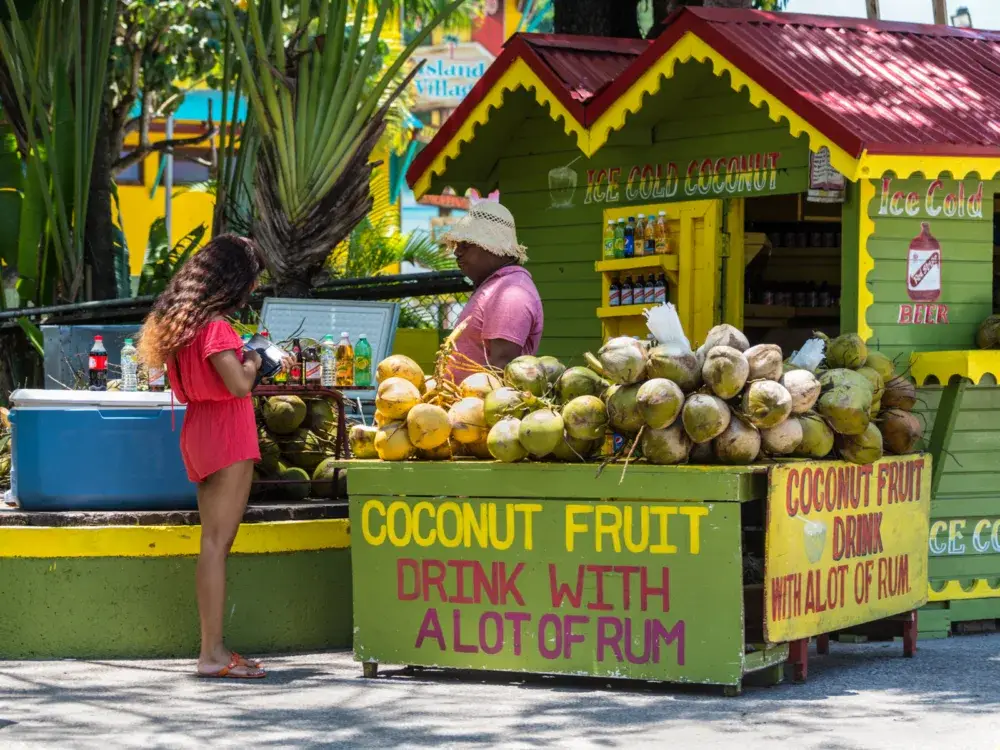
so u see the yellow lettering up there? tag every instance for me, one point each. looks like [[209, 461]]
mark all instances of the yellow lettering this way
[[630, 544], [474, 526], [399, 507], [572, 527], [612, 529], [419, 538], [446, 541], [661, 512], [695, 513], [528, 509], [495, 540], [372, 539]]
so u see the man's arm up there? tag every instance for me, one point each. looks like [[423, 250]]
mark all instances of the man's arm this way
[[501, 352]]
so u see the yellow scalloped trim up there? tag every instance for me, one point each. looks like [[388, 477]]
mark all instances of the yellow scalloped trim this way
[[866, 263], [930, 167], [518, 76], [953, 590], [973, 364], [690, 46]]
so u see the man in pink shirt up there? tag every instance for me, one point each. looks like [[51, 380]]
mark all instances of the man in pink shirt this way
[[504, 315]]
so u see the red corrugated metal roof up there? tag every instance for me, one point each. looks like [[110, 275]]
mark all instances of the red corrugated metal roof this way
[[585, 65]]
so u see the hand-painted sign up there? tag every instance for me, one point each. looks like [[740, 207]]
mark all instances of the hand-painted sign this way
[[722, 176], [624, 589], [964, 536], [826, 184], [923, 281], [940, 199], [845, 544], [449, 73]]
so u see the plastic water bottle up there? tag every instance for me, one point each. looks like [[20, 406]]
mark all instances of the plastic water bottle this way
[[363, 362], [328, 362], [130, 367]]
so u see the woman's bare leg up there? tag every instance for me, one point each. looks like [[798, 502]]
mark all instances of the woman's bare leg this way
[[222, 499]]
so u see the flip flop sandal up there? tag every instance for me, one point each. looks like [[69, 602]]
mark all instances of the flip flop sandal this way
[[244, 662], [252, 673]]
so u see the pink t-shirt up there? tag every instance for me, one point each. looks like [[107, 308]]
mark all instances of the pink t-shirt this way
[[506, 306]]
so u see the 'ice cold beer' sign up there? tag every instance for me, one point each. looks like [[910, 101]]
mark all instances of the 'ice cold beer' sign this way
[[623, 589]]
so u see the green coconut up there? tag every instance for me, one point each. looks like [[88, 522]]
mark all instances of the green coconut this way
[[765, 362], [504, 443], [739, 443], [766, 403], [817, 437], [725, 371], [541, 431], [988, 333], [847, 409], [324, 477], [684, 368], [803, 387], [701, 453], [623, 408], [660, 402], [783, 439], [304, 449], [847, 350], [270, 453], [586, 418], [900, 431], [666, 447], [899, 394], [504, 402], [879, 362], [865, 448], [552, 368], [283, 415], [623, 359], [846, 378], [322, 417], [301, 489], [579, 381], [573, 450], [705, 417], [526, 374], [362, 441], [872, 376]]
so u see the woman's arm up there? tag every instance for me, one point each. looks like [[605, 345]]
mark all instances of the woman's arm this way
[[238, 376]]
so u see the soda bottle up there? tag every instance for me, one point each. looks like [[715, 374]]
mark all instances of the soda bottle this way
[[312, 367], [640, 233], [130, 367], [614, 293], [328, 362], [639, 291], [650, 290], [609, 240], [363, 362], [97, 364], [345, 361], [630, 238], [264, 334], [627, 291], [157, 377], [620, 239], [923, 267], [649, 237], [660, 292], [660, 233], [295, 375]]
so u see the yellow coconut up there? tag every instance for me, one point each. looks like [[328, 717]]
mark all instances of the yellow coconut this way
[[392, 442], [478, 385], [400, 366], [468, 421], [380, 419], [396, 396], [428, 426]]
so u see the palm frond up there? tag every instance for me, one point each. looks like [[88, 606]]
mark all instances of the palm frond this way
[[162, 260]]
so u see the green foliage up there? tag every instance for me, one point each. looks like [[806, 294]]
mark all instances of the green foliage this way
[[162, 260], [34, 334], [371, 248]]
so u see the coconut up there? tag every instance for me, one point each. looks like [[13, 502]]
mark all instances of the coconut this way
[[874, 379], [573, 450], [738, 444], [666, 447], [900, 431], [270, 453], [701, 453], [682, 368], [847, 409], [725, 335], [283, 415], [623, 359], [552, 368], [478, 385], [301, 488], [304, 449], [705, 417], [783, 439], [541, 431], [623, 410], [804, 389], [586, 418], [579, 381], [400, 366], [725, 371], [468, 421], [847, 350], [526, 374], [660, 402], [765, 362], [362, 441], [380, 419], [988, 333], [442, 453], [503, 441], [504, 402], [323, 478], [865, 448], [428, 426], [899, 394], [817, 437], [392, 442], [396, 396], [881, 364], [766, 403], [479, 449], [322, 417], [846, 378]]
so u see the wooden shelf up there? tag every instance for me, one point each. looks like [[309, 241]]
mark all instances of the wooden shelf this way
[[664, 262], [784, 311], [622, 311]]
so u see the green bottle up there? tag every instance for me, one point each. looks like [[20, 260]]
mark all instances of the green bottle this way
[[363, 363], [620, 239]]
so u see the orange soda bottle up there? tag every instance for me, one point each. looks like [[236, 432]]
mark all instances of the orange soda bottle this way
[[344, 358]]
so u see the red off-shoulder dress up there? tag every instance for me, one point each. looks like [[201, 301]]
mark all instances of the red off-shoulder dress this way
[[219, 428]]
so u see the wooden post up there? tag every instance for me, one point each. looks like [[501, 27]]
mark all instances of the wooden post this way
[[798, 658], [940, 12], [823, 643], [944, 425], [873, 10]]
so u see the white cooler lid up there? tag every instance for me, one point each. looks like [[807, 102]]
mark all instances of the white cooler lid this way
[[37, 397]]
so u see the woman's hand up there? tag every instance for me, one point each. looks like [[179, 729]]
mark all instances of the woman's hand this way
[[253, 357], [287, 363]]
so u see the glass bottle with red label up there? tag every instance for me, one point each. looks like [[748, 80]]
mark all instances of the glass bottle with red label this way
[[923, 267]]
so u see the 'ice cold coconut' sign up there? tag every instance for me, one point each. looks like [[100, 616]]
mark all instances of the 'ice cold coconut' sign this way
[[629, 589], [846, 544]]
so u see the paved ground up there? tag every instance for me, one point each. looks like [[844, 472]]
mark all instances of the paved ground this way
[[859, 697]]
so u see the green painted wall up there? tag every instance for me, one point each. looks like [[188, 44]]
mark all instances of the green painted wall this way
[[105, 608]]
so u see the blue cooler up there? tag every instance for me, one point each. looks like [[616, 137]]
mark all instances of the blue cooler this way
[[98, 450]]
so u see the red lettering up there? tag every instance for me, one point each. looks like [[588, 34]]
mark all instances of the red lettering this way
[[600, 604], [646, 591], [560, 591], [508, 585], [905, 314], [401, 593]]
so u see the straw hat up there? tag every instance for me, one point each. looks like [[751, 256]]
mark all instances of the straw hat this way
[[490, 226]]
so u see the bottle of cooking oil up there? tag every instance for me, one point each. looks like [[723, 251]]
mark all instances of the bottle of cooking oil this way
[[345, 362]]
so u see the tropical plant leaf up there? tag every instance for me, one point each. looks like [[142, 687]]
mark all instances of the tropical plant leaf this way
[[34, 334], [162, 260]]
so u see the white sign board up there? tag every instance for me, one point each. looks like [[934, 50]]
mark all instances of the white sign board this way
[[826, 184], [449, 73]]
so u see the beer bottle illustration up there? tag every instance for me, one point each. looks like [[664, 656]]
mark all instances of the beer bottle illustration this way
[[923, 267]]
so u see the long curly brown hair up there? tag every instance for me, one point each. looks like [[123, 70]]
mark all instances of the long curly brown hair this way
[[217, 280]]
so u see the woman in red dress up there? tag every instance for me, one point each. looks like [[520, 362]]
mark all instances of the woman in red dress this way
[[211, 373]]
